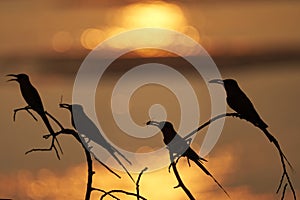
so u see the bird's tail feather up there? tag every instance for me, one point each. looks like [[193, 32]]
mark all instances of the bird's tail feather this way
[[209, 174], [121, 164], [49, 127], [106, 167], [123, 156], [46, 122]]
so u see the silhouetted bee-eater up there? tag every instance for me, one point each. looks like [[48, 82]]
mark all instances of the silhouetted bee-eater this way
[[33, 99], [87, 128], [239, 102], [179, 147]]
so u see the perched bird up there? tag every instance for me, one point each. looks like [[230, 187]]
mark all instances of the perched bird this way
[[32, 98], [239, 102], [178, 146], [88, 130]]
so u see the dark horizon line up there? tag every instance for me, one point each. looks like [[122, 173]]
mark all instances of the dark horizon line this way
[[72, 63]]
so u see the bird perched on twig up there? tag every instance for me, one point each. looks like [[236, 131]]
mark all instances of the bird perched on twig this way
[[239, 102], [180, 148], [88, 130], [33, 99]]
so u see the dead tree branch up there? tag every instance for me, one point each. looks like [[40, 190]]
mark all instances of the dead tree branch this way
[[272, 139], [180, 182], [137, 194], [209, 122]]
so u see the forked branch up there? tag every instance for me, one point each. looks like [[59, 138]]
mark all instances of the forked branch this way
[[137, 194], [272, 139], [180, 182]]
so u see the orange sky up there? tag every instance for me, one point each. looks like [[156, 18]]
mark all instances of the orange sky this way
[[245, 163], [53, 26], [243, 160]]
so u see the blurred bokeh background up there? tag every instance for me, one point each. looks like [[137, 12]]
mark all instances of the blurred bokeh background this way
[[255, 42]]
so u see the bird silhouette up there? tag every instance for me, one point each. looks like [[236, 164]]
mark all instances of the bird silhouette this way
[[180, 148], [89, 131], [33, 99], [239, 102]]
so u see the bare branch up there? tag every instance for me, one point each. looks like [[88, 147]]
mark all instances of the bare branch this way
[[285, 174], [180, 182], [272, 139], [100, 190], [89, 163], [27, 108], [55, 120], [52, 146], [137, 183], [283, 192], [137, 195], [120, 191], [209, 122]]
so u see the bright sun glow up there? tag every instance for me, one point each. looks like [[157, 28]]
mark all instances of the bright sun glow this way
[[155, 14]]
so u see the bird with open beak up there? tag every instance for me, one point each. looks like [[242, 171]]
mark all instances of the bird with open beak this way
[[33, 99]]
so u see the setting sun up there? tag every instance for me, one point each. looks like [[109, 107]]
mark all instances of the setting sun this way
[[155, 14]]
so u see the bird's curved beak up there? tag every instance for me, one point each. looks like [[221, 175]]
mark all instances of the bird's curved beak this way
[[65, 105], [13, 79], [153, 123], [218, 81]]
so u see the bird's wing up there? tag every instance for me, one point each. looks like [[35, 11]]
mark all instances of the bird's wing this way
[[242, 105], [32, 98]]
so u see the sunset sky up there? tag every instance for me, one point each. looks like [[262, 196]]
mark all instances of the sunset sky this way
[[255, 42], [31, 27]]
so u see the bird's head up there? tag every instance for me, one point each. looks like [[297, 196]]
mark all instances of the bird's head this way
[[19, 77], [166, 128], [66, 106], [71, 107], [163, 125], [218, 81], [227, 83]]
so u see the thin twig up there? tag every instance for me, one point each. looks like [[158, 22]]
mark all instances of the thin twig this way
[[283, 192], [55, 120], [209, 122], [103, 191], [282, 160], [120, 191], [137, 195], [52, 146], [27, 108], [75, 134], [89, 187], [180, 182], [272, 139], [137, 183]]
